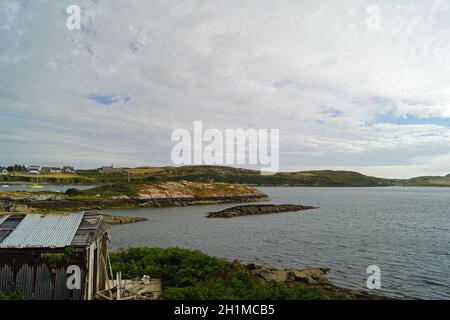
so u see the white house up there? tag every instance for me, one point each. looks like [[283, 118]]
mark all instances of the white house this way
[[34, 169], [4, 172], [51, 170], [68, 169]]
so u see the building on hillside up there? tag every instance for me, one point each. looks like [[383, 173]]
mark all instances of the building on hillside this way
[[34, 169], [51, 170], [4, 172], [68, 169], [106, 169], [54, 256]]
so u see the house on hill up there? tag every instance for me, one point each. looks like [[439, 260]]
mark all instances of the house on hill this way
[[34, 169], [51, 170], [68, 169], [106, 169]]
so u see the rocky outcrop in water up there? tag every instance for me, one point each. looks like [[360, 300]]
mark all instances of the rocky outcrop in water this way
[[309, 277], [248, 210], [164, 194]]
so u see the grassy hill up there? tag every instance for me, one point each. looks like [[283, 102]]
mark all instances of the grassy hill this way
[[312, 178], [323, 178], [245, 176], [50, 178], [435, 181]]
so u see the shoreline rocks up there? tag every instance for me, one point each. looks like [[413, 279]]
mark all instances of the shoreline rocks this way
[[308, 277], [167, 194], [248, 210], [110, 219], [314, 276], [12, 204]]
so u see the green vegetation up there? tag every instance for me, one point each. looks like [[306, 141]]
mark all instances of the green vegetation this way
[[189, 274], [142, 175], [106, 191], [12, 295], [245, 176], [51, 178], [235, 175], [204, 174], [428, 182]]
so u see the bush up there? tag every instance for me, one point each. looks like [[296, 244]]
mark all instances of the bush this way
[[12, 295], [73, 192], [193, 275]]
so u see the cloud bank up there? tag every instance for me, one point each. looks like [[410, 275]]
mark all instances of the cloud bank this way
[[343, 95]]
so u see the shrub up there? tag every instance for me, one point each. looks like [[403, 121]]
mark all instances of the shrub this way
[[193, 275]]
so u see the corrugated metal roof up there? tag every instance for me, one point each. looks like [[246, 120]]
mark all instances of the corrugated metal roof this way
[[44, 231], [3, 219]]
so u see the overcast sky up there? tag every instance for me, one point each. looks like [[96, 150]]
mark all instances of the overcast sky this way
[[345, 95]]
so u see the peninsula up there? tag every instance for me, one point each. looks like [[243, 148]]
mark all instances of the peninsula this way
[[163, 194]]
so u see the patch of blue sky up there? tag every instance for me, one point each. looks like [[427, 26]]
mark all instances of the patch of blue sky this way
[[285, 83], [108, 100], [133, 46], [331, 112], [25, 3], [14, 115], [410, 120]]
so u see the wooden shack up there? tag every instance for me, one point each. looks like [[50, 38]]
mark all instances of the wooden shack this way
[[39, 253]]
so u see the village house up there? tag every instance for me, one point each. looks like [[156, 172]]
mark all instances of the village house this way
[[68, 169], [34, 169], [106, 169], [51, 170], [3, 172]]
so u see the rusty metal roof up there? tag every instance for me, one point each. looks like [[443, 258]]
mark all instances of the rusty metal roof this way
[[43, 231]]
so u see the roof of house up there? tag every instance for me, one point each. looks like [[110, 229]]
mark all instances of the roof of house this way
[[50, 231]]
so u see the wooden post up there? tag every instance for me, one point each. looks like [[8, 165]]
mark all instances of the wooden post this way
[[118, 286], [97, 258], [91, 271]]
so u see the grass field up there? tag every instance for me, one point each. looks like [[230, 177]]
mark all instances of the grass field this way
[[313, 178]]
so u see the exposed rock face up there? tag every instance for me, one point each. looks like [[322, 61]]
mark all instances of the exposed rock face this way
[[194, 190], [12, 206], [163, 194], [314, 276], [310, 277], [122, 220], [112, 220], [257, 209]]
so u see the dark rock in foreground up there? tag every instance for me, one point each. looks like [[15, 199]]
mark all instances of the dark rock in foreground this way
[[249, 210]]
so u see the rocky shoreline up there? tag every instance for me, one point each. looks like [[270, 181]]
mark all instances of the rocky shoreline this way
[[169, 194], [309, 277], [249, 210], [11, 204], [111, 220]]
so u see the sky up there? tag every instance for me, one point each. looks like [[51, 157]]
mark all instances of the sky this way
[[351, 84]]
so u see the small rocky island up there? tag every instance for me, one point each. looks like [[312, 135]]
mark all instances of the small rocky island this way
[[249, 210], [133, 195]]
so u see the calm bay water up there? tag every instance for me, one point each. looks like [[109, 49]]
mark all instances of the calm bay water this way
[[405, 231]]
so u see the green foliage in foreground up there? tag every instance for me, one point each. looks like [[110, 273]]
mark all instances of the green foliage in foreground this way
[[12, 295], [193, 275]]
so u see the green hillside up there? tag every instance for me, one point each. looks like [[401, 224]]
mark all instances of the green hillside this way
[[245, 176], [323, 178], [435, 181]]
